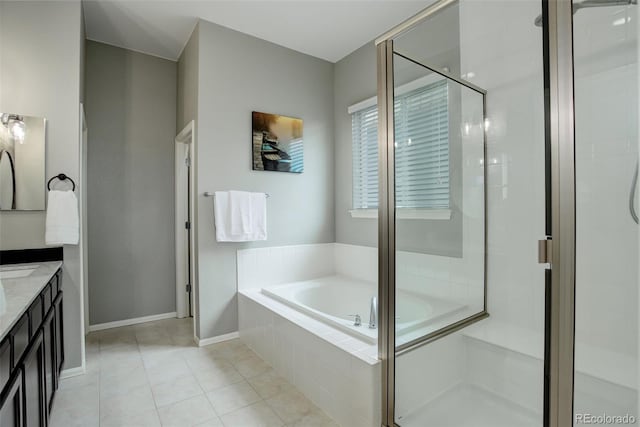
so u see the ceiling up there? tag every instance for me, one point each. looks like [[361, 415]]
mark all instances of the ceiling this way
[[328, 30]]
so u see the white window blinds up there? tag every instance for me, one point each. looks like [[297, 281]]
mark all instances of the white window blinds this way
[[422, 150]]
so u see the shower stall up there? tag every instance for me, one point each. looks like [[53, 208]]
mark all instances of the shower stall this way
[[508, 153]]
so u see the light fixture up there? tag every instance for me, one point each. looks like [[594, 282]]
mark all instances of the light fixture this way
[[15, 125]]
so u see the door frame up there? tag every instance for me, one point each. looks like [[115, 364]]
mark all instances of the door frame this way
[[559, 243], [561, 212], [185, 143]]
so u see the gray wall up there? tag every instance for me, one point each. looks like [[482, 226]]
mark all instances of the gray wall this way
[[131, 112], [40, 75], [355, 80], [187, 104], [237, 74], [187, 110]]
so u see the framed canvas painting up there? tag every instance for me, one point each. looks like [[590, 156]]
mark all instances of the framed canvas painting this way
[[277, 143]]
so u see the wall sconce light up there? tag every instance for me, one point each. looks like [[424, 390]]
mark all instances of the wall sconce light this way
[[15, 125]]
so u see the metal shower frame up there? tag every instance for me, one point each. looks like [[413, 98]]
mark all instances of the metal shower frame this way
[[560, 213]]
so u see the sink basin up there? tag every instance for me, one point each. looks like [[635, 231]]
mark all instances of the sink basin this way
[[15, 273]]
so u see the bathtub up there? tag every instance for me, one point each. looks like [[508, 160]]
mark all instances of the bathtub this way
[[335, 300]]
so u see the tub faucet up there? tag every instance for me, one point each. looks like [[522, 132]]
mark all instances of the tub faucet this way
[[373, 314], [357, 321]]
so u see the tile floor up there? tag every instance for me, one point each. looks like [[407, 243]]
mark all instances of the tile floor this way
[[152, 374]]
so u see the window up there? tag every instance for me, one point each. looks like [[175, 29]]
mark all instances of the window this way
[[422, 150]]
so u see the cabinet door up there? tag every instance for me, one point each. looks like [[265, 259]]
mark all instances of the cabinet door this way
[[11, 408], [59, 335], [35, 315], [33, 383], [20, 338], [50, 367], [5, 361]]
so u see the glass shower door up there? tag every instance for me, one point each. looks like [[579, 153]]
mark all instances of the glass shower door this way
[[462, 206], [439, 202], [605, 41]]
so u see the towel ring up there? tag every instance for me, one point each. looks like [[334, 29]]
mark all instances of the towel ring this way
[[61, 177]]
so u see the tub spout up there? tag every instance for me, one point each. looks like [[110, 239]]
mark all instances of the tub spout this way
[[373, 314]]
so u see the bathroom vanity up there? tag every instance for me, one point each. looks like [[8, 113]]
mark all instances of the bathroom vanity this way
[[32, 342]]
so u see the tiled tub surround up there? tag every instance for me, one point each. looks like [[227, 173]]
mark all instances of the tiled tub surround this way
[[491, 361], [433, 291], [152, 374], [316, 348], [338, 372]]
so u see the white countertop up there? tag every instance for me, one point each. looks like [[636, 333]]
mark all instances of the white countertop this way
[[22, 291]]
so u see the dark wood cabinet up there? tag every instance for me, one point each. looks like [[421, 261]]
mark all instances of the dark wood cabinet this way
[[50, 366], [57, 307], [33, 387], [11, 402], [31, 359]]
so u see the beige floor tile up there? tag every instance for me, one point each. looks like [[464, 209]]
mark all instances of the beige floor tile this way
[[256, 415], [115, 339], [164, 373], [143, 419], [190, 412], [90, 378], [176, 390], [123, 382], [205, 360], [119, 355], [230, 398], [212, 379], [316, 418], [230, 350], [152, 374], [269, 384], [251, 366], [291, 406], [216, 422], [136, 401], [77, 406]]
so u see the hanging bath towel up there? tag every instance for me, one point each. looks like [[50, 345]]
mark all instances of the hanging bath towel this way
[[62, 224], [240, 217]]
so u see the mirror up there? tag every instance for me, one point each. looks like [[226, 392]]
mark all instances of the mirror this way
[[22, 162]]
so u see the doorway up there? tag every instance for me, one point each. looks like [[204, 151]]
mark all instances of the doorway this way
[[184, 223]]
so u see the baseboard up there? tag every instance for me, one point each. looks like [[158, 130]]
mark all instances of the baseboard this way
[[72, 372], [128, 322], [219, 338]]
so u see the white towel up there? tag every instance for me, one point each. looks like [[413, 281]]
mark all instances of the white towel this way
[[240, 212], [62, 223], [249, 216]]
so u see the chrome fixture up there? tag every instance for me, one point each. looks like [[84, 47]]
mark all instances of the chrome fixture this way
[[632, 195], [357, 321], [16, 126], [210, 194], [592, 3], [373, 313]]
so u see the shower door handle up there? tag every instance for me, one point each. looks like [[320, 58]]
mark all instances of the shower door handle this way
[[544, 251]]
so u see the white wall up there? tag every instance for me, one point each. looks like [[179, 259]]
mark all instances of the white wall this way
[[606, 103], [40, 75]]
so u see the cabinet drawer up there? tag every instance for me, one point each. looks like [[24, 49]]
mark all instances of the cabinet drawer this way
[[20, 338]]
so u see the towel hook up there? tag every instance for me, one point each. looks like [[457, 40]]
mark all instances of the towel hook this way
[[61, 177]]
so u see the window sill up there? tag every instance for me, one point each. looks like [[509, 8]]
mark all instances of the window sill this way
[[437, 214]]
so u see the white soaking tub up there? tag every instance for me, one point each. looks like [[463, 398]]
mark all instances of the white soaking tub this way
[[336, 299]]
